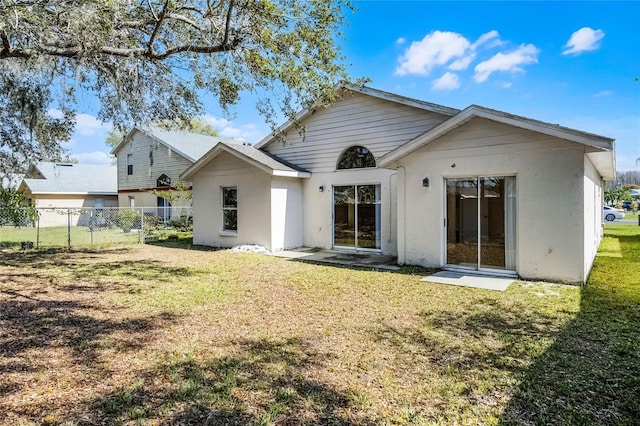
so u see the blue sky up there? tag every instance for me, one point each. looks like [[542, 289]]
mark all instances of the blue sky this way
[[571, 63]]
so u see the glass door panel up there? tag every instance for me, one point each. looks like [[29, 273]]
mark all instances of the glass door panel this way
[[344, 217], [462, 222], [492, 223], [356, 216], [368, 214], [481, 215]]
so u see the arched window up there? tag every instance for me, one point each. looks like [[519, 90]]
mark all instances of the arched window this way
[[163, 181], [356, 157]]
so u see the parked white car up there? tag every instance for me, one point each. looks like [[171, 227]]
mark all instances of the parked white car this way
[[610, 213]]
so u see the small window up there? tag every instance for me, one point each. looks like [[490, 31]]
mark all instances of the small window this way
[[229, 209], [163, 181], [129, 164], [356, 157]]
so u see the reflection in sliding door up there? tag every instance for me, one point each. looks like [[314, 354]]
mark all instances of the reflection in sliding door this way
[[344, 216], [356, 216], [368, 216], [481, 222], [462, 222]]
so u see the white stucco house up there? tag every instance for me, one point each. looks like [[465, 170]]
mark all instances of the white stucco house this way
[[473, 189]]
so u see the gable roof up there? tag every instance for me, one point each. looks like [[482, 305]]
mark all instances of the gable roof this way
[[380, 94], [189, 145], [250, 154], [64, 178], [605, 164]]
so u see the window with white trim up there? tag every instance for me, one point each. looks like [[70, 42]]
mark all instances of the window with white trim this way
[[230, 209], [129, 164]]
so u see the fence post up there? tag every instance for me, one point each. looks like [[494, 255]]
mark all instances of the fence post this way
[[141, 235], [68, 228], [38, 229]]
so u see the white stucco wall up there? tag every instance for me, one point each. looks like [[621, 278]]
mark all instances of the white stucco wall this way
[[549, 184], [593, 223], [318, 206], [286, 213], [254, 193]]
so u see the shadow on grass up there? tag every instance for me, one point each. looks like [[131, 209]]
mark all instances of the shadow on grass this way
[[591, 373], [79, 267], [66, 331], [44, 324], [263, 384]]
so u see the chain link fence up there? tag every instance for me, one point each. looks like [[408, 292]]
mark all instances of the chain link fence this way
[[26, 228]]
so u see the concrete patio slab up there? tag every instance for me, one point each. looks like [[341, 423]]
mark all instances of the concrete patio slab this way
[[470, 280], [338, 257]]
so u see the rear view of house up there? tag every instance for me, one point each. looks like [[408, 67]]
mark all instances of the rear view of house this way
[[475, 190]]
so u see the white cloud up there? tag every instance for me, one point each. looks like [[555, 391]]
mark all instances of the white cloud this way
[[246, 132], [401, 40], [486, 37], [448, 81], [88, 125], [54, 113], [440, 48], [435, 49], [603, 93], [583, 40], [96, 157], [512, 61], [462, 63], [507, 85]]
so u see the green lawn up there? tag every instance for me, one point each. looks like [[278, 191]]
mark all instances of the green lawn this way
[[171, 335], [58, 236]]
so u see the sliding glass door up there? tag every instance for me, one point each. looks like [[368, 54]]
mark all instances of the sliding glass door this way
[[481, 222], [356, 216]]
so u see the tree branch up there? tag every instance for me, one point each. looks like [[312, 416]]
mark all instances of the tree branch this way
[[228, 24]]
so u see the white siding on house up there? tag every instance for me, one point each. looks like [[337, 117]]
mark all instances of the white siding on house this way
[[254, 203], [549, 190], [150, 160], [379, 125]]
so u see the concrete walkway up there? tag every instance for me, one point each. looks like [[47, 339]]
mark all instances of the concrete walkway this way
[[379, 261]]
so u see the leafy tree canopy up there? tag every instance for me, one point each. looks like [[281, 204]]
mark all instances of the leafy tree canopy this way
[[152, 60], [15, 208]]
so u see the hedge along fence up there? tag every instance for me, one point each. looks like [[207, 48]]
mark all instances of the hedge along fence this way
[[72, 227]]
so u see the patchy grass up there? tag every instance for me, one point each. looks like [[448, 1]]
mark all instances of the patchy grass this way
[[59, 236], [591, 373], [167, 335]]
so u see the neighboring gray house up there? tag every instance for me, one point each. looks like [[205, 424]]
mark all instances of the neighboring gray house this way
[[150, 158], [66, 185], [472, 190]]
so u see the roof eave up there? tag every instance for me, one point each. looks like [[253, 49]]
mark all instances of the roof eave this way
[[474, 111], [292, 174]]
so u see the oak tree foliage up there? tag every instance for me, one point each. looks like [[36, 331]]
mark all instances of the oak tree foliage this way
[[152, 60]]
